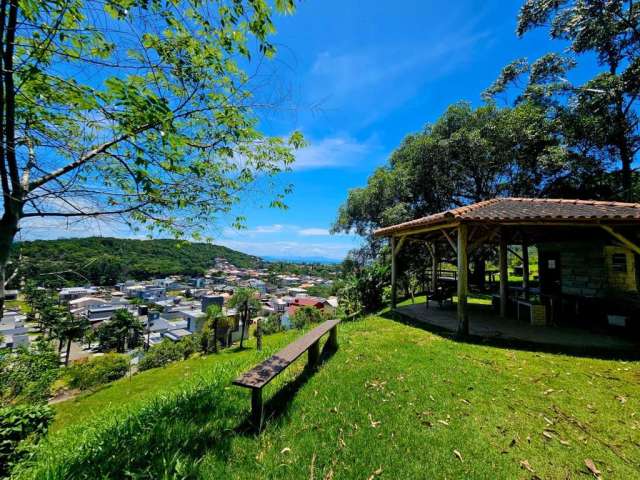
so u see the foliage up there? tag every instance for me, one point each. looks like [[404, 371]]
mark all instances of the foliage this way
[[246, 302], [21, 427], [141, 111], [364, 289], [216, 322], [386, 377], [161, 354], [272, 324], [597, 118], [27, 374], [106, 261], [123, 331], [98, 370], [467, 155], [306, 316]]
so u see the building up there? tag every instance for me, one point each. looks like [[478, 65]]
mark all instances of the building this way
[[588, 255]]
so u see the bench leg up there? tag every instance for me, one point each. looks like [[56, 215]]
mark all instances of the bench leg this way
[[314, 354], [333, 338], [256, 407]]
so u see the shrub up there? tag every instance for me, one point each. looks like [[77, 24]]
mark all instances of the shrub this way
[[161, 354], [106, 368], [26, 375], [20, 427], [305, 316], [270, 325], [190, 345]]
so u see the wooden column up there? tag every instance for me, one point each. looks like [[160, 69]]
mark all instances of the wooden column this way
[[525, 267], [434, 268], [256, 407], [333, 338], [504, 274], [393, 272], [313, 354], [463, 272]]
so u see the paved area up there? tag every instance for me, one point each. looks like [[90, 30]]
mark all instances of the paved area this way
[[484, 323]]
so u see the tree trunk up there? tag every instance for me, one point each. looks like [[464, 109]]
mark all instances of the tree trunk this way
[[215, 336], [8, 231], [66, 358], [258, 335]]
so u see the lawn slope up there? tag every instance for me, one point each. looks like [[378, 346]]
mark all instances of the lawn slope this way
[[393, 402]]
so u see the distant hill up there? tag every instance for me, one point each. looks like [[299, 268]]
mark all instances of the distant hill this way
[[106, 261]]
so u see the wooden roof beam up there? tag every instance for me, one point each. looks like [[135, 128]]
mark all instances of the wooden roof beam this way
[[621, 238]]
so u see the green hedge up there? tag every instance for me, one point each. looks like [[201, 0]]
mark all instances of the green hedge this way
[[97, 370]]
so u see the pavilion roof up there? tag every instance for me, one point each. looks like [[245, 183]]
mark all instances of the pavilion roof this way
[[524, 211]]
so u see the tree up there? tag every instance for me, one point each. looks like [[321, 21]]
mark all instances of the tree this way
[[26, 375], [215, 320], [70, 328], [603, 110], [467, 155], [133, 109], [122, 332], [305, 316], [245, 301]]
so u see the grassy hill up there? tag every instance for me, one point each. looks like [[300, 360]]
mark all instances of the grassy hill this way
[[105, 261], [394, 402]]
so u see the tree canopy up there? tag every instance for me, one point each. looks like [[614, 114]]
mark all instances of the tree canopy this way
[[145, 111]]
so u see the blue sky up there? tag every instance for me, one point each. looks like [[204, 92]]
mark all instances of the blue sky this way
[[363, 75], [357, 77]]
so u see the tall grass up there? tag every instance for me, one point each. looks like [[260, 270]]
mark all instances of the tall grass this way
[[163, 439]]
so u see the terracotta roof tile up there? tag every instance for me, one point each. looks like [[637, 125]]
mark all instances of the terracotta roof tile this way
[[508, 210]]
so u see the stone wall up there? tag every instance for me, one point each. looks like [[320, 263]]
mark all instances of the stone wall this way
[[586, 268]]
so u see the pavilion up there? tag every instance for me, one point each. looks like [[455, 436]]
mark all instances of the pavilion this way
[[586, 248]]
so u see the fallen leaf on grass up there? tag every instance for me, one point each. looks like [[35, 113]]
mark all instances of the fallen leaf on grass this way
[[376, 473], [592, 467], [525, 464], [444, 422], [547, 434], [458, 454], [374, 423], [285, 450], [548, 391], [621, 399], [564, 442]]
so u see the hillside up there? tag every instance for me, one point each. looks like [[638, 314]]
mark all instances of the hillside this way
[[105, 261], [394, 402]]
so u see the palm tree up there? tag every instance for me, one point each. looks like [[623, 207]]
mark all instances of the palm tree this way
[[215, 319], [71, 328], [244, 300]]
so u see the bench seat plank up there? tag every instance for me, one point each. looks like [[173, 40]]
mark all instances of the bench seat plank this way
[[266, 371]]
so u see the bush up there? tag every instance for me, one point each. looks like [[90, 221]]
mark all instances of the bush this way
[[20, 427], [270, 325], [190, 345], [106, 368], [161, 355], [305, 316], [26, 374]]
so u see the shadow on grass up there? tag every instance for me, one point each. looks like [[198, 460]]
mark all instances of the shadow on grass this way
[[278, 405], [515, 344]]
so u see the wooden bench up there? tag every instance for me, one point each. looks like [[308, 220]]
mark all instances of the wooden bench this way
[[262, 374]]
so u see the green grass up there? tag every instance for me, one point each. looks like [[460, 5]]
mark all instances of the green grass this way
[[474, 298], [393, 402]]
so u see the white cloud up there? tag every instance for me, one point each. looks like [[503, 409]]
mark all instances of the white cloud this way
[[314, 232], [337, 151], [291, 249], [268, 228]]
